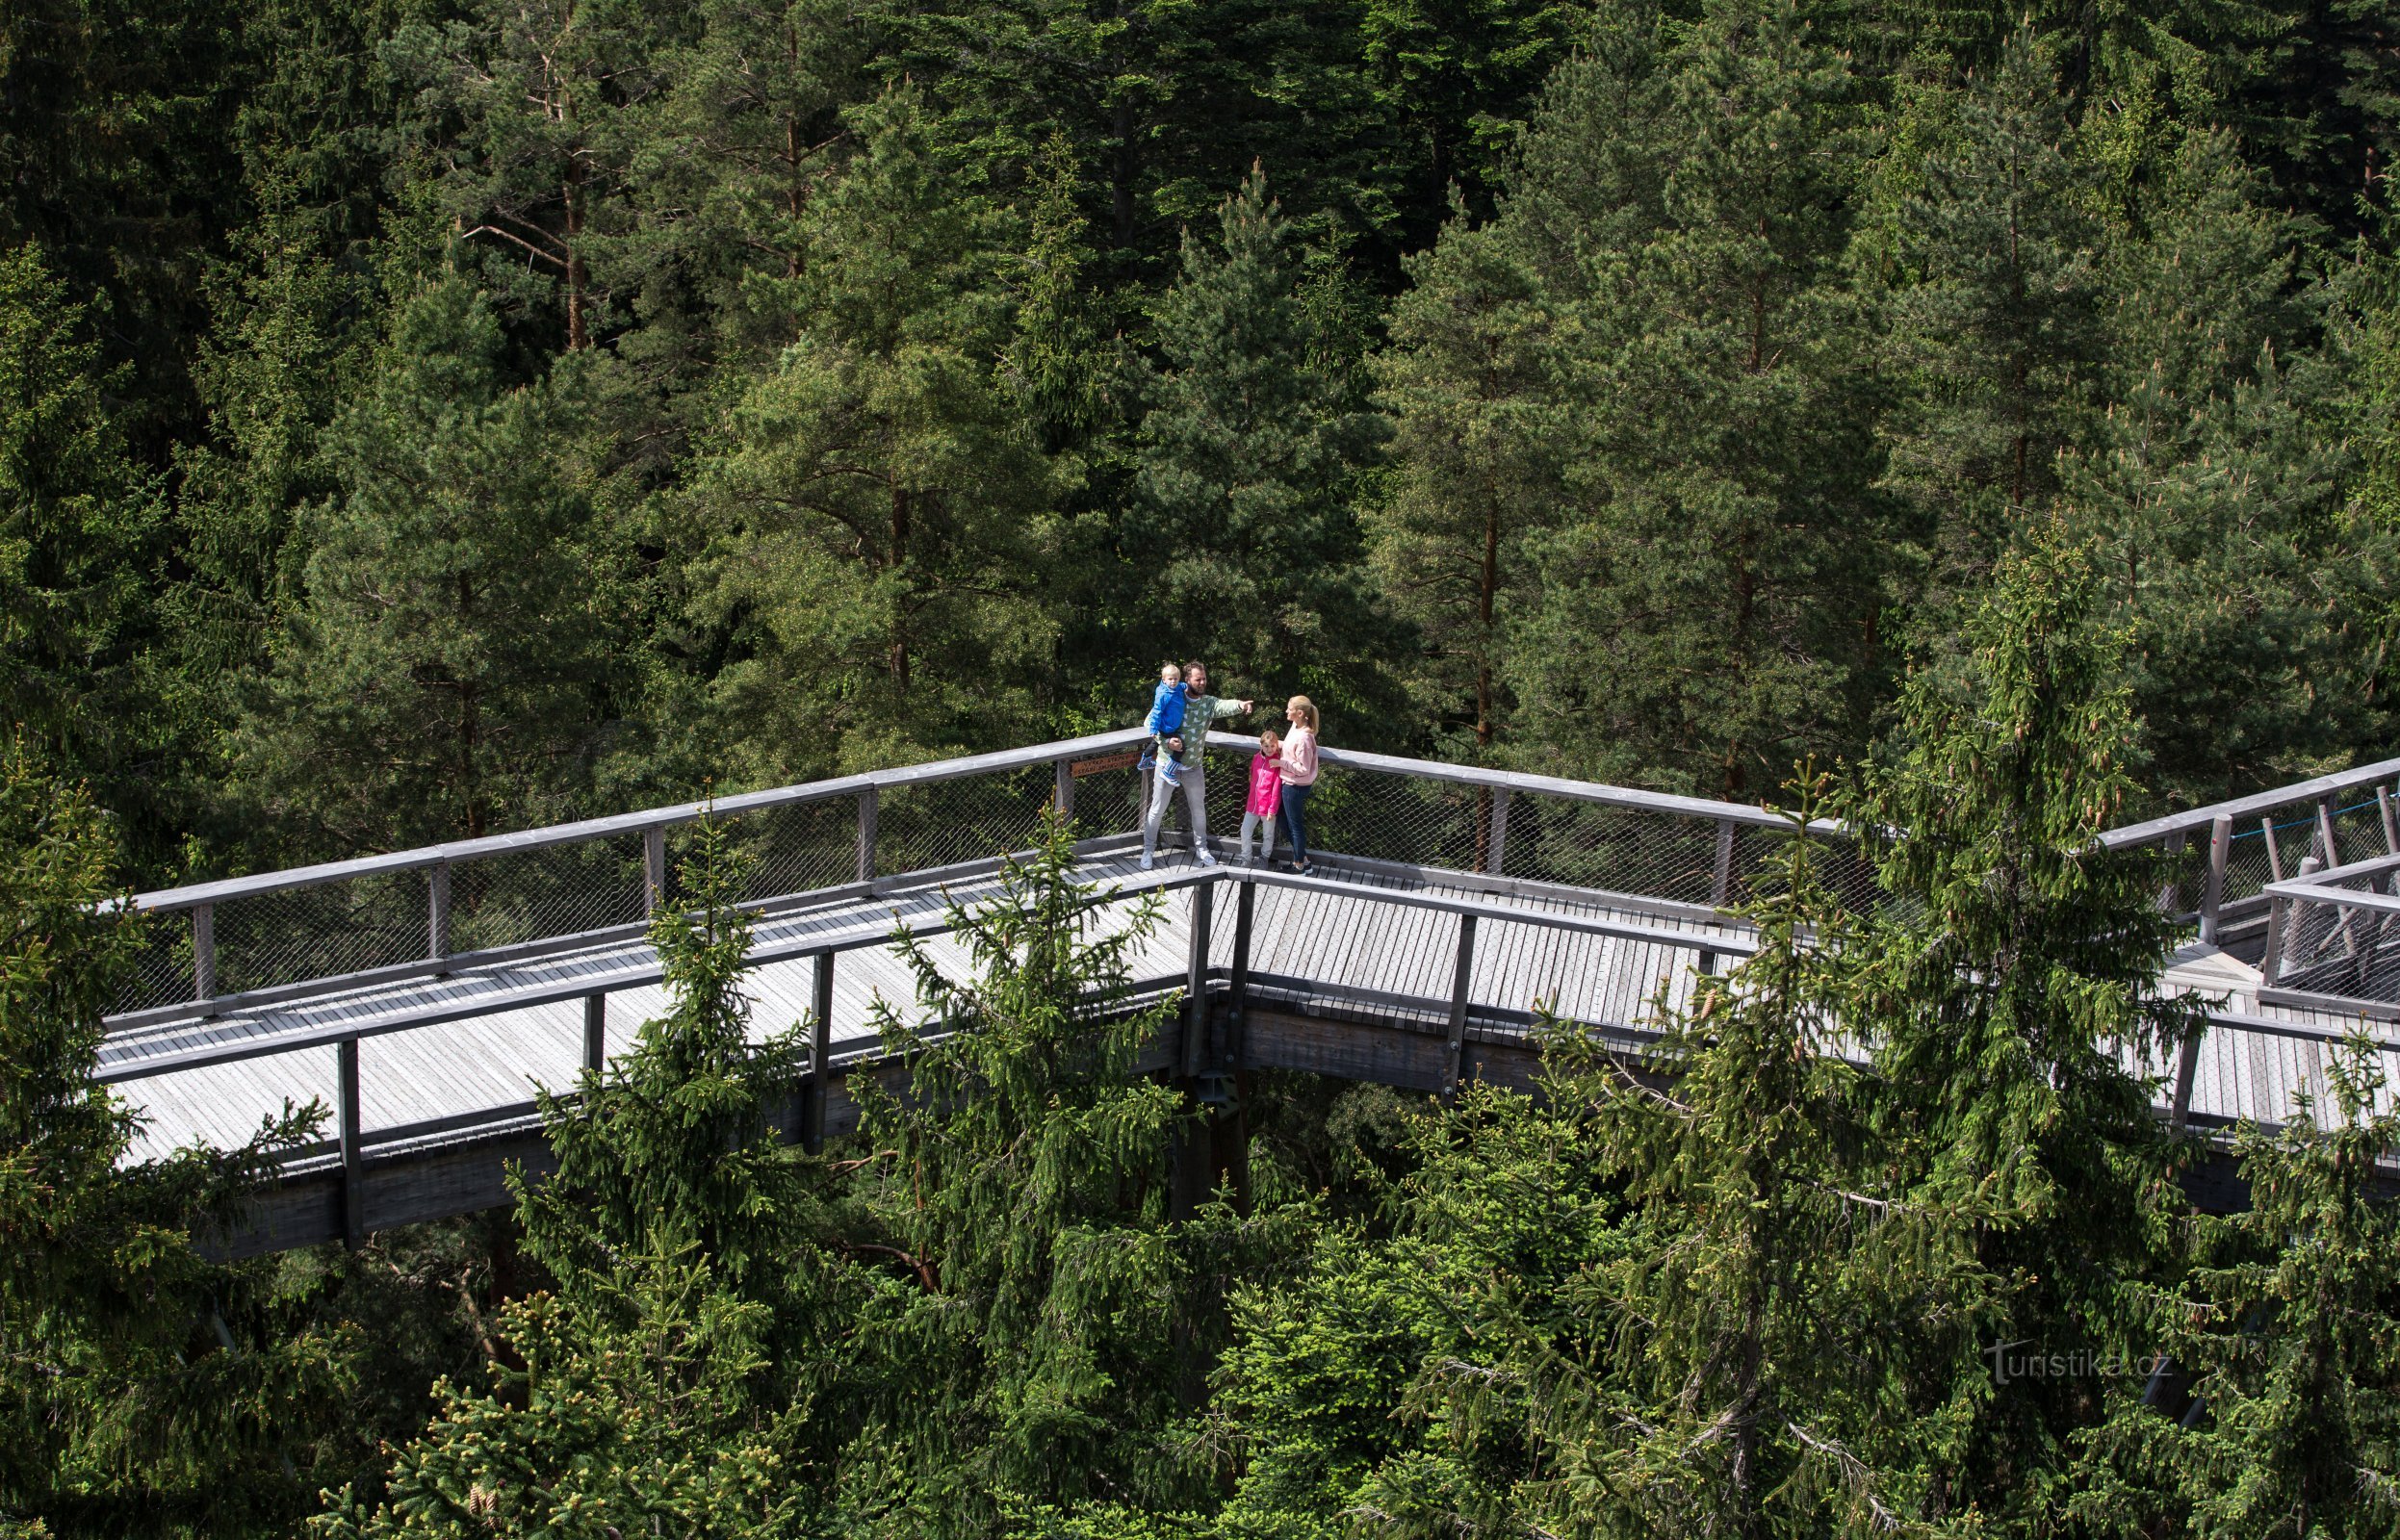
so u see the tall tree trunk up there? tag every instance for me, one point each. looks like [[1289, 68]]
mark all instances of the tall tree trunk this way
[[1486, 591], [579, 328], [899, 661]]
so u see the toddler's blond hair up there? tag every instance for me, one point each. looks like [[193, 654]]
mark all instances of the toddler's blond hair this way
[[1170, 674], [1271, 742]]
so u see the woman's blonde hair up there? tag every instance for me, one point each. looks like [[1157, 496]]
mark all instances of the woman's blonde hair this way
[[1303, 708]]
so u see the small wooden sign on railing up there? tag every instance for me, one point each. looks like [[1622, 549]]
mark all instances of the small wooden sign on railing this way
[[1102, 763]]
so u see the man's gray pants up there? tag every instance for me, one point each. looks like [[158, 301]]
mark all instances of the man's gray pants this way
[[1195, 797]]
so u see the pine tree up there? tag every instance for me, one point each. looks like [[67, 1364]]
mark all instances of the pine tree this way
[[2215, 491], [1250, 454], [875, 510], [1992, 304], [2009, 989], [1709, 596], [1480, 452], [465, 643]]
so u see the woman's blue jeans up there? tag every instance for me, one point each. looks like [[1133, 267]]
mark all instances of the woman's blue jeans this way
[[1295, 820]]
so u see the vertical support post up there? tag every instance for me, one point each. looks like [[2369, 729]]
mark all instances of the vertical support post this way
[[654, 870], [2391, 825], [1720, 883], [1496, 848], [346, 1098], [437, 910], [2274, 857], [1063, 790], [595, 1032], [820, 1055], [2186, 1067], [1195, 981], [204, 952], [2171, 889], [2331, 853], [2212, 897], [1237, 1046], [1454, 1051], [867, 812], [2278, 917]]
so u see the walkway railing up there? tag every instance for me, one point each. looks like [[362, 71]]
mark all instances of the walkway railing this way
[[285, 935]]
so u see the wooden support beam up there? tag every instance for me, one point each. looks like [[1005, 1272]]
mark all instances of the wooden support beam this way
[[437, 910], [1237, 1007], [868, 812], [353, 1165], [2212, 897], [204, 951], [1455, 1052], [2171, 892], [2331, 854], [820, 1054], [1062, 789], [654, 870], [1721, 886], [2392, 824], [1496, 844], [595, 1032], [2274, 856]]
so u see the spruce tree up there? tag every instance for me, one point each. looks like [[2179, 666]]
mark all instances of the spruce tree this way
[[142, 1388], [2282, 1346], [2008, 989], [1037, 1319], [665, 1379]]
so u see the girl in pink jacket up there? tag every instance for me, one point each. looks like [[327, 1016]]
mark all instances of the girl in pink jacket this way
[[1266, 795]]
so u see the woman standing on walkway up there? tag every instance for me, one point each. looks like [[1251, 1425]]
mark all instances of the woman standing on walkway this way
[[1299, 776]]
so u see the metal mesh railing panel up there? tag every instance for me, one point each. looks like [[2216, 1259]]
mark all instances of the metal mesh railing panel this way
[[943, 822], [1621, 850], [1416, 822], [798, 847], [545, 892], [159, 973], [272, 939]]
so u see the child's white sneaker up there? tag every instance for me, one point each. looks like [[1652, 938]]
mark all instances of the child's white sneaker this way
[[1207, 860]]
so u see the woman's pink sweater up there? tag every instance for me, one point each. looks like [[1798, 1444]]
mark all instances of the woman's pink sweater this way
[[1300, 758]]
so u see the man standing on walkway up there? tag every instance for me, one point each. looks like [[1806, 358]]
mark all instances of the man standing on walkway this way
[[1199, 709]]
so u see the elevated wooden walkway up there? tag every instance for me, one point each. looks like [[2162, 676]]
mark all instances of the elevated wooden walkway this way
[[1454, 905]]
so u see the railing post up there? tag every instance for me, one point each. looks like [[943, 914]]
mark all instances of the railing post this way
[[353, 1185], [1720, 883], [2274, 856], [2173, 887], [437, 910], [866, 834], [2185, 1068], [820, 1055], [2212, 897], [1454, 1052], [1062, 789], [2391, 825], [1496, 847], [204, 952], [654, 870], [2325, 831], [595, 1032]]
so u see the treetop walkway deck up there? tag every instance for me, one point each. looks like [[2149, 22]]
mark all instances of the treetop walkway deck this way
[[423, 995]]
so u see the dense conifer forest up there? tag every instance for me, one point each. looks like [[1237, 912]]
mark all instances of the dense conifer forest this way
[[423, 419]]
